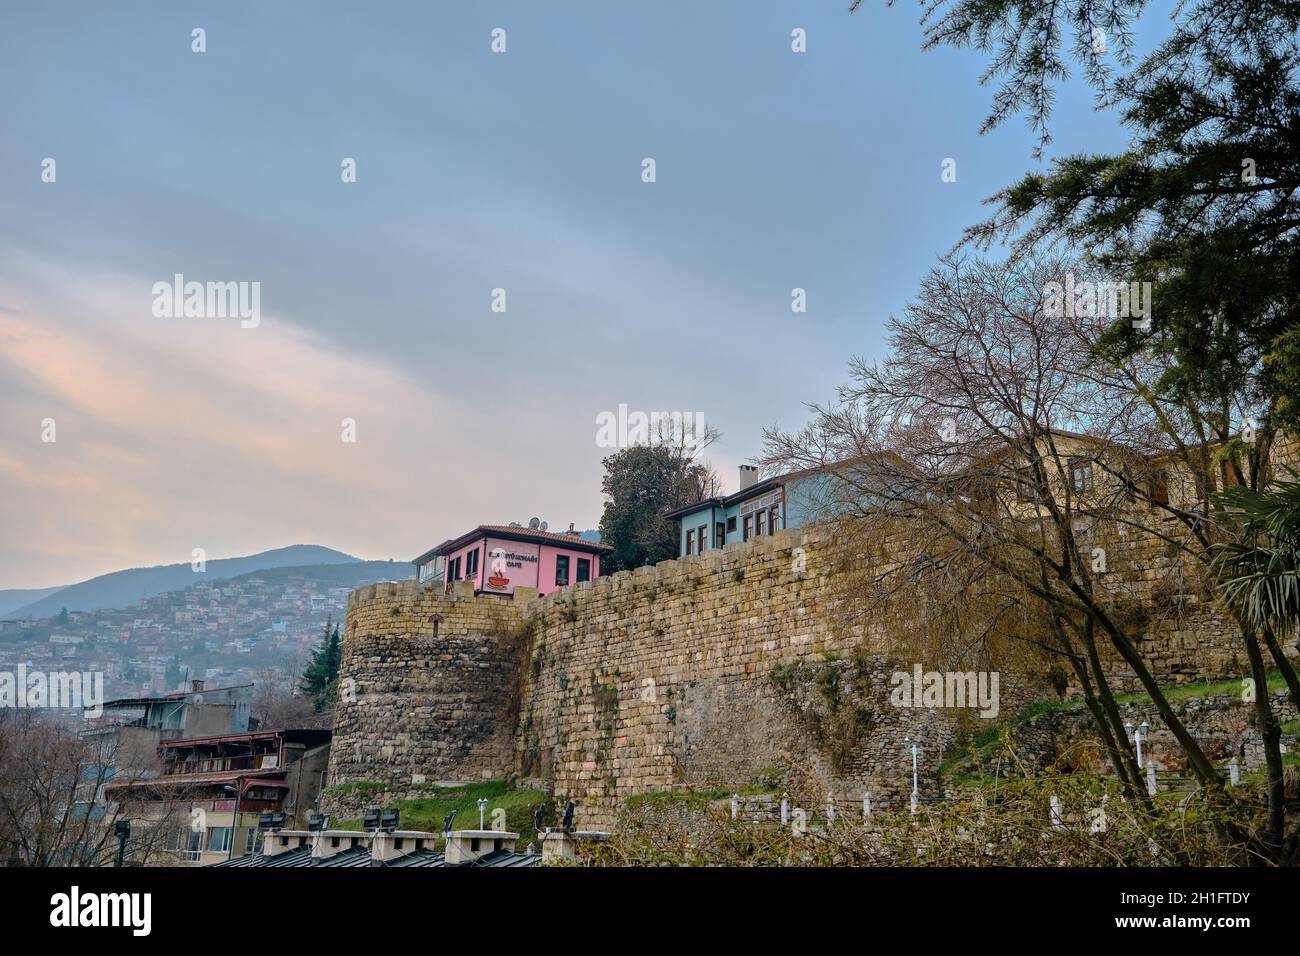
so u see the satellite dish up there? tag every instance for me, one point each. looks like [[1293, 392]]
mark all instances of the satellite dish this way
[[543, 526], [533, 523]]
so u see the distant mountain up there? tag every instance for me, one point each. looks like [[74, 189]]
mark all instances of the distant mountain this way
[[17, 597], [350, 575], [121, 589]]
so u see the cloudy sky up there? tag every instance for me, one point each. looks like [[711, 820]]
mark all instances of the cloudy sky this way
[[475, 171]]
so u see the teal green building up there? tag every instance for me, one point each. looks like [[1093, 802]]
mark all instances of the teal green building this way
[[760, 507]]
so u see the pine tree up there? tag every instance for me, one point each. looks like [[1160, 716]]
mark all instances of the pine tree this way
[[321, 678], [1203, 202]]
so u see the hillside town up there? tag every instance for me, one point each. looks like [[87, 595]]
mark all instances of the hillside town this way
[[257, 628]]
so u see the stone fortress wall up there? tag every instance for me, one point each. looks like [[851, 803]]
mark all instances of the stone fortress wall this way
[[704, 672], [423, 686]]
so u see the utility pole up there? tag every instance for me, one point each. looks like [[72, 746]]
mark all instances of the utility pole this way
[[123, 831]]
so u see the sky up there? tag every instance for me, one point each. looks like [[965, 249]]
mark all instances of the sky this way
[[475, 171]]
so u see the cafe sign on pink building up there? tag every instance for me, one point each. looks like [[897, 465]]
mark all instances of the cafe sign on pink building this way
[[510, 564]]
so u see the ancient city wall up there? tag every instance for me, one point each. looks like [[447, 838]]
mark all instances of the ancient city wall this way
[[705, 672], [426, 685], [687, 673]]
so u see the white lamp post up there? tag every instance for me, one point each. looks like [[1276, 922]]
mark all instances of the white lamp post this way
[[1138, 736], [482, 807], [915, 751]]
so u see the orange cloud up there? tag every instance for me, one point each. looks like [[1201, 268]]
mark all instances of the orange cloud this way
[[178, 433]]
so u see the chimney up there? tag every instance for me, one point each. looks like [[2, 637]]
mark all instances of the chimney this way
[[282, 841], [466, 846], [328, 843], [196, 686], [385, 846], [748, 476]]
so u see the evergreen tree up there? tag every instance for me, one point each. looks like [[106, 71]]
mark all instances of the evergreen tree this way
[[321, 678], [1204, 203], [174, 675], [641, 483]]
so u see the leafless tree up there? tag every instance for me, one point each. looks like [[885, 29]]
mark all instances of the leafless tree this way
[[277, 707], [54, 810], [978, 440]]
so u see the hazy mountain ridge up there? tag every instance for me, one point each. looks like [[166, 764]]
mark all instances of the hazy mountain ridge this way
[[12, 598], [120, 589], [357, 574]]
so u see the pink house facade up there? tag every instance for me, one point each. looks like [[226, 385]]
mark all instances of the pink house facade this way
[[500, 558]]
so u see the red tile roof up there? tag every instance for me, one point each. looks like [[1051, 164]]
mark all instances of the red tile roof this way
[[523, 534]]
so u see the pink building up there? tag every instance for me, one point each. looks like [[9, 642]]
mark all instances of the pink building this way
[[499, 558]]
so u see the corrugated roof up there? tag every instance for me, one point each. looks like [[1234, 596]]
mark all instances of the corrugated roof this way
[[212, 777], [424, 857], [352, 856], [507, 858], [360, 856], [299, 856], [304, 735], [123, 702]]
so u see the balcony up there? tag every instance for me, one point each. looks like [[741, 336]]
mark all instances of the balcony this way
[[269, 761]]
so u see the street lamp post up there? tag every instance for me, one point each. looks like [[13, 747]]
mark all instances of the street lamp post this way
[[915, 751], [1138, 736], [123, 831]]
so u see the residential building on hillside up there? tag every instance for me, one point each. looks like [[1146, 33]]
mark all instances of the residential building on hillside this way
[[218, 786], [760, 507], [194, 712], [129, 751], [129, 748], [500, 558], [1102, 477], [1095, 472]]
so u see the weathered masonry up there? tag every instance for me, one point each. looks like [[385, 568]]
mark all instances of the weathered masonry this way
[[700, 671]]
